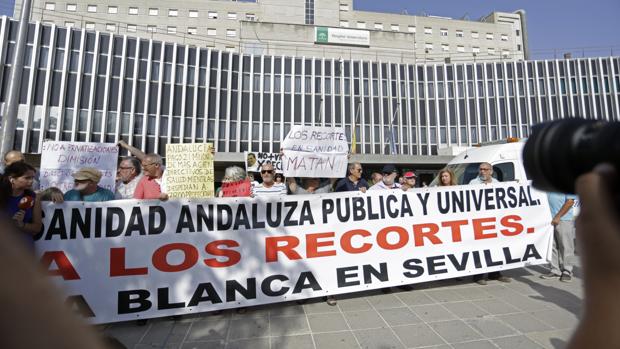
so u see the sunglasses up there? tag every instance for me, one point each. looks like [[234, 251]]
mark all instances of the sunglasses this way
[[266, 171]]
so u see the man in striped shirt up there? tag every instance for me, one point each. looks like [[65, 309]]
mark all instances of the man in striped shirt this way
[[269, 187]]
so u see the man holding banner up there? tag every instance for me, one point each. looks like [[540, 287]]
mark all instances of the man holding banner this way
[[388, 181], [269, 187], [354, 181]]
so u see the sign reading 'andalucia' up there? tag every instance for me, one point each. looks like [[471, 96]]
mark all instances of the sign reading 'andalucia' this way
[[324, 35]]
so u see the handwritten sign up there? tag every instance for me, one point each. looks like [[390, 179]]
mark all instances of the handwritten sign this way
[[189, 170], [237, 189], [254, 160], [315, 152], [59, 160]]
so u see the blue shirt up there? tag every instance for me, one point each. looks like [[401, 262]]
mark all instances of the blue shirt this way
[[345, 184], [100, 195], [556, 201]]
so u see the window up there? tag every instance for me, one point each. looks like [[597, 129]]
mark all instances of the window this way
[[518, 32], [395, 27], [491, 51], [309, 8], [505, 53], [192, 30], [132, 28], [519, 47], [459, 34], [91, 8], [133, 11], [230, 49], [428, 30], [443, 32], [193, 13], [151, 28], [489, 36], [71, 7], [411, 29], [445, 47], [50, 6], [232, 15], [344, 7], [379, 26], [111, 27], [361, 25], [460, 48], [153, 12], [475, 35], [173, 12], [211, 31], [231, 33], [428, 46], [113, 10], [250, 17], [172, 29], [344, 24], [475, 49], [90, 26], [212, 15], [69, 24]]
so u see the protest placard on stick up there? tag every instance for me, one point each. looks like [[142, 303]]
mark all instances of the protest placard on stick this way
[[61, 159], [311, 151], [189, 170]]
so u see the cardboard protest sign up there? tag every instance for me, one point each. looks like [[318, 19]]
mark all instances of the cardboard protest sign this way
[[237, 189], [127, 260], [189, 170], [254, 160], [61, 159], [311, 151]]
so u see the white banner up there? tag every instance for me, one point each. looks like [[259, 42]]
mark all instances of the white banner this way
[[254, 160], [61, 159], [124, 260], [319, 152]]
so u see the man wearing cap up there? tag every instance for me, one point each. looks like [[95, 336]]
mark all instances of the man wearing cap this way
[[86, 187], [389, 179], [409, 181]]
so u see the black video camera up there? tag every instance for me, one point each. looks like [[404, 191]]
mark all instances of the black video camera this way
[[558, 152]]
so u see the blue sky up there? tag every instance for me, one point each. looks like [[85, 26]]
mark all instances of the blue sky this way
[[581, 27]]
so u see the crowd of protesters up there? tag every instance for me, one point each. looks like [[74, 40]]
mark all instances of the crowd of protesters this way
[[143, 176]]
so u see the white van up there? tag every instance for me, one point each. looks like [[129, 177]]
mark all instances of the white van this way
[[506, 158]]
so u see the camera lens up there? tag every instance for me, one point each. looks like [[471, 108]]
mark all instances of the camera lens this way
[[558, 152]]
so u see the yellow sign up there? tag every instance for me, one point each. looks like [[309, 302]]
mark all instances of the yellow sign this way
[[189, 170]]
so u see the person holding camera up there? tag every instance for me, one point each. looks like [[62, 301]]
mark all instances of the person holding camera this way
[[563, 233]]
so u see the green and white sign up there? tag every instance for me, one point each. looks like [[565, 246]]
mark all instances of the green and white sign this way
[[340, 36]]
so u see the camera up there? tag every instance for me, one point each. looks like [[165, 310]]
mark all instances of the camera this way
[[558, 152]]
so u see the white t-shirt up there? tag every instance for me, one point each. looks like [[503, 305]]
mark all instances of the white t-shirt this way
[[275, 190]]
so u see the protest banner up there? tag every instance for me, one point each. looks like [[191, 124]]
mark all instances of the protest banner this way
[[237, 189], [123, 260], [59, 160], [311, 151], [254, 160], [189, 170]]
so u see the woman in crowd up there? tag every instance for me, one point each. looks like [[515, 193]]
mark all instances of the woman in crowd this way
[[232, 174], [446, 178], [23, 206]]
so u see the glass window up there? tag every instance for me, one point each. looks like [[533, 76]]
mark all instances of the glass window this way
[[112, 9], [231, 33], [379, 26], [133, 11], [50, 6], [91, 8], [395, 27], [192, 30], [153, 12], [71, 7], [193, 13], [212, 15], [211, 32], [173, 12], [232, 15]]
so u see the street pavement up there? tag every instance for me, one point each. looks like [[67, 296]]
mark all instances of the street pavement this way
[[527, 313]]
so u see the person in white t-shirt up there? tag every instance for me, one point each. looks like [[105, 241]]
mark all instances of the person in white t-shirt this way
[[268, 187]]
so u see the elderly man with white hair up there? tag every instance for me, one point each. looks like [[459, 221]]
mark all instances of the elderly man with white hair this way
[[153, 183]]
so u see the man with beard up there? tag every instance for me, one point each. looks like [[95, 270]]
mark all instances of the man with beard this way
[[389, 179], [129, 176], [87, 187]]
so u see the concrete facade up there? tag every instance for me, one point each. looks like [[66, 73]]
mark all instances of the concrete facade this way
[[278, 27], [80, 85]]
